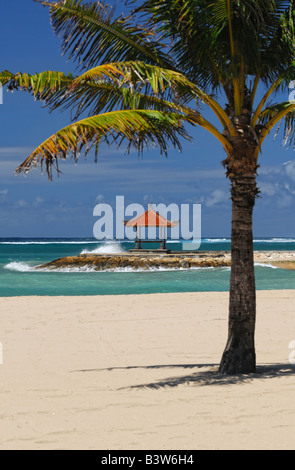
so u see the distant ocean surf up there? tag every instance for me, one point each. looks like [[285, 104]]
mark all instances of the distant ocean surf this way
[[18, 258]]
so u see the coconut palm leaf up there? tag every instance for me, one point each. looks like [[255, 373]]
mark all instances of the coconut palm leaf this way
[[145, 78], [276, 115], [41, 85], [281, 83], [93, 98], [134, 73], [115, 86], [139, 128], [161, 83], [278, 48], [104, 88], [272, 111], [84, 26], [256, 28]]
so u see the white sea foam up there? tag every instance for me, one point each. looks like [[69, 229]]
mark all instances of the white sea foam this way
[[19, 266], [264, 265], [262, 240], [80, 269], [216, 240], [23, 267], [109, 248], [276, 240], [128, 269]]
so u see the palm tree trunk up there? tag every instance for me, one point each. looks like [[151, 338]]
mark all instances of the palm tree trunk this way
[[239, 353]]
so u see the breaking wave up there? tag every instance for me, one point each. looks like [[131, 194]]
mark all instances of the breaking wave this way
[[264, 265], [216, 240], [275, 240], [108, 248], [24, 267], [127, 269], [19, 266]]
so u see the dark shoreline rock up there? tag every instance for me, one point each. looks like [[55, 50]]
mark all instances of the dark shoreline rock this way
[[153, 260]]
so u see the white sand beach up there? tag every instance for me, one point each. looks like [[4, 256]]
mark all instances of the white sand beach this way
[[140, 372]]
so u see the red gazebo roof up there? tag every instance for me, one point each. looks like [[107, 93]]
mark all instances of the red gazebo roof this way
[[150, 218]]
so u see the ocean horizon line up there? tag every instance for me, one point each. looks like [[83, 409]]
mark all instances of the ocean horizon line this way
[[126, 240]]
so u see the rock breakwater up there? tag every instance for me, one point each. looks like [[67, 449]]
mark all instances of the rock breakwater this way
[[101, 262], [108, 262]]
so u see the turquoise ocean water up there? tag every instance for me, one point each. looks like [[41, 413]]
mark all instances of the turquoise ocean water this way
[[18, 257]]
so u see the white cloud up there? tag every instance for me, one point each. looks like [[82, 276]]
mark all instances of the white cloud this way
[[285, 201], [268, 189], [38, 201], [218, 196], [290, 169], [15, 151], [21, 203], [289, 189], [3, 196], [269, 170]]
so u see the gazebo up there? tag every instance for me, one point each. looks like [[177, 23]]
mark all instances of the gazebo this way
[[150, 218]]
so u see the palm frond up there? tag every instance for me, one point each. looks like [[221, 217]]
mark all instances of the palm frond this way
[[146, 78], [285, 78], [107, 87], [139, 128], [199, 31], [150, 79], [5, 77], [183, 24], [94, 98], [276, 115], [91, 35], [272, 111], [280, 84], [118, 85], [41, 85]]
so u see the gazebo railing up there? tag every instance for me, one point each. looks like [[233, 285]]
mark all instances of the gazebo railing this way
[[138, 243]]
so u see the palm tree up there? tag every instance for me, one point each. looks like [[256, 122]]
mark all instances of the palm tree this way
[[144, 78]]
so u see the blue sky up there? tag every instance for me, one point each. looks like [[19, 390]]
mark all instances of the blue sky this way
[[32, 206]]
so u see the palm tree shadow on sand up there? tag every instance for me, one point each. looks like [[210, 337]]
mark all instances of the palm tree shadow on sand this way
[[207, 377]]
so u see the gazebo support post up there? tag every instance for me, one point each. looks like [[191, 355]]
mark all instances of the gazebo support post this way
[[139, 246]]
